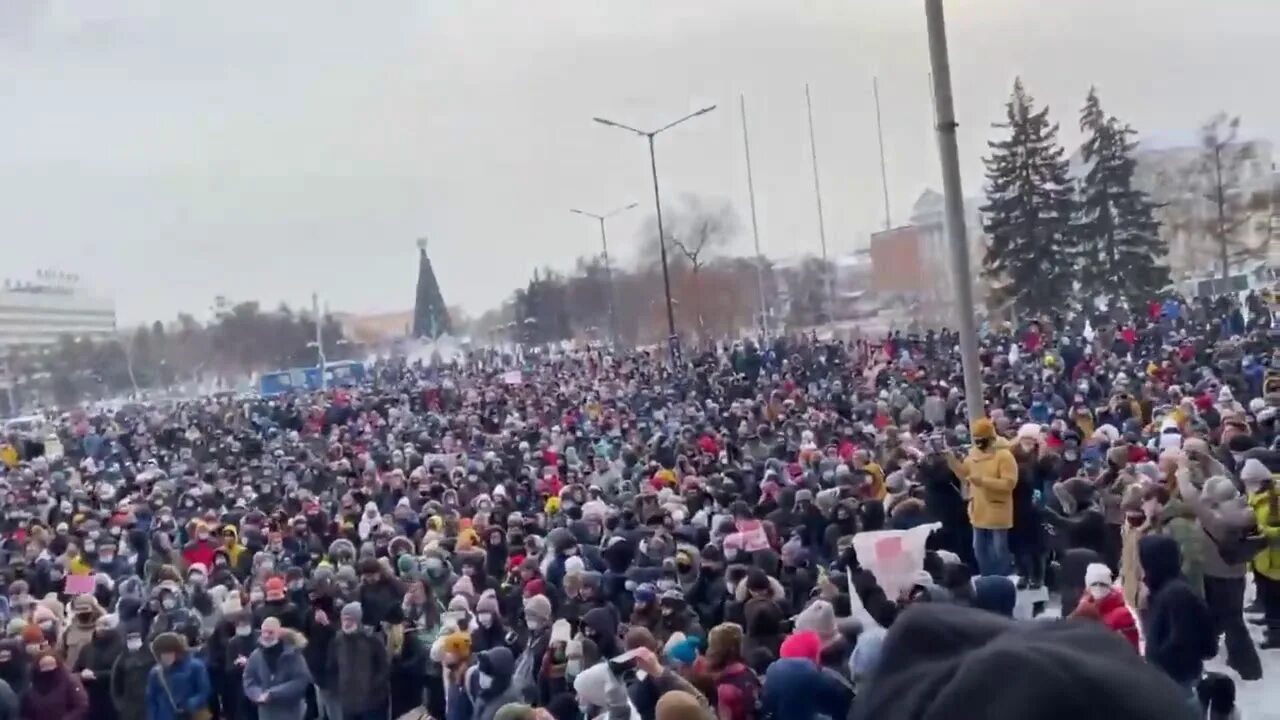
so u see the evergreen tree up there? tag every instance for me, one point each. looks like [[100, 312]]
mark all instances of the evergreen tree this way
[[430, 316], [1031, 259], [1119, 239]]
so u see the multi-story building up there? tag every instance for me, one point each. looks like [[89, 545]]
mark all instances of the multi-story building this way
[[37, 313]]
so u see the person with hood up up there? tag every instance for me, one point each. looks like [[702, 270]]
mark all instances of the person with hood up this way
[[796, 687], [231, 546], [489, 683], [201, 548], [1104, 603], [990, 473], [360, 667], [676, 617], [600, 626], [15, 666], [178, 687], [128, 677], [95, 664], [938, 659], [1179, 629], [276, 677], [996, 594], [1226, 521], [55, 694], [85, 612]]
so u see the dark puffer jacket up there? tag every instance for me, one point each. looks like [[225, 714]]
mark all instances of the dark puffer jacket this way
[[1180, 632]]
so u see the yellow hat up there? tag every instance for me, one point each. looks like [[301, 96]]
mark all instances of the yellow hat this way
[[983, 428], [553, 505]]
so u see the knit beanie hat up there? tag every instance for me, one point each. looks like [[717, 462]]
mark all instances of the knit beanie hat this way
[[681, 649], [538, 607], [1254, 474], [354, 611], [460, 603], [169, 643], [804, 644], [820, 617], [31, 635], [645, 594], [1097, 574], [488, 603]]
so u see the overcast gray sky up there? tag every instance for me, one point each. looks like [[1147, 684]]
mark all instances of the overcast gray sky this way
[[171, 151]]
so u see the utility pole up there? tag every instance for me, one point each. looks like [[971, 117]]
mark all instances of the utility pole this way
[[949, 154], [817, 191], [755, 229], [324, 370], [884, 173]]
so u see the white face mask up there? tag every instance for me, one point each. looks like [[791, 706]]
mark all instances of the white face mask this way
[[486, 619], [486, 681], [533, 624], [133, 643], [1097, 592], [243, 630]]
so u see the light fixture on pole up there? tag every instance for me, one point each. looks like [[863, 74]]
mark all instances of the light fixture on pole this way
[[608, 269], [673, 340]]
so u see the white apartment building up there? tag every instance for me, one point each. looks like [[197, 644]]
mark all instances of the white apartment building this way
[[37, 313]]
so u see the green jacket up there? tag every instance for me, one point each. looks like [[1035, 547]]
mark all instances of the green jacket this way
[[1178, 521]]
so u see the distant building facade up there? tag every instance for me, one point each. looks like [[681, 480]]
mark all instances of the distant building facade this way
[[37, 313]]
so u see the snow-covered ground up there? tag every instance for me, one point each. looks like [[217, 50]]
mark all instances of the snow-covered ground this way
[[1259, 700]]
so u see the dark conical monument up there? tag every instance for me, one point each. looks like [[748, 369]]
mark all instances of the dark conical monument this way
[[430, 316]]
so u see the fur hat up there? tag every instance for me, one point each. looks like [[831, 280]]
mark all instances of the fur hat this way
[[169, 643], [982, 428], [724, 639]]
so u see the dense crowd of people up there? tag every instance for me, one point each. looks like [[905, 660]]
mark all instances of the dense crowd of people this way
[[589, 533]]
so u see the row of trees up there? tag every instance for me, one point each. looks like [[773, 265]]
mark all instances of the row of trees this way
[[241, 339], [1054, 238], [714, 293]]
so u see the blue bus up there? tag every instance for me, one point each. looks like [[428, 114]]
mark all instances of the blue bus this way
[[344, 373]]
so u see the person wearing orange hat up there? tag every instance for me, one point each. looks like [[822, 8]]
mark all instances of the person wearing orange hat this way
[[990, 473], [276, 605]]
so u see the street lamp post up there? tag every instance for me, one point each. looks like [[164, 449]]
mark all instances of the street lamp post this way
[[673, 340], [945, 123], [608, 269]]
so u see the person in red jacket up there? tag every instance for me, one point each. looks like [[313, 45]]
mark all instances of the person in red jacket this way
[[1103, 601], [201, 548]]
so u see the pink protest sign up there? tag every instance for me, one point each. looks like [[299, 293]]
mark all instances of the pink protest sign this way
[[78, 585]]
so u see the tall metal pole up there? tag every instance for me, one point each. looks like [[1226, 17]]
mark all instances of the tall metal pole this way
[[817, 190], [884, 174], [608, 276], [315, 312], [755, 229], [673, 341], [949, 154]]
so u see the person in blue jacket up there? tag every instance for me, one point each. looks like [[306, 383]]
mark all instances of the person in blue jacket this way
[[178, 687], [276, 677]]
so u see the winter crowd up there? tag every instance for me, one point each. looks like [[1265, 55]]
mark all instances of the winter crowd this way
[[587, 534]]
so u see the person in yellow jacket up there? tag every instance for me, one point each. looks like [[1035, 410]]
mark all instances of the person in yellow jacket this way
[[8, 455], [1264, 499], [989, 473]]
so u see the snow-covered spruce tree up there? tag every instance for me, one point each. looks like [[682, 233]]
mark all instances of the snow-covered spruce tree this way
[[1032, 258], [1121, 251]]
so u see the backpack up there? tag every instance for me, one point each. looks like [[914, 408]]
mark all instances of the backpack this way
[[748, 684], [1241, 548]]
